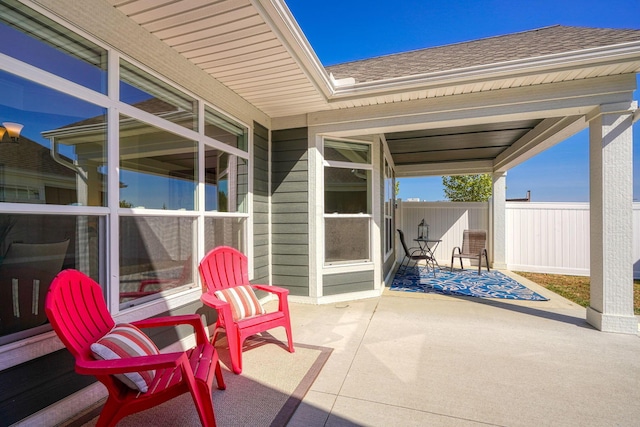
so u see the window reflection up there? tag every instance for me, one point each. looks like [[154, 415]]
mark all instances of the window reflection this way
[[226, 181], [41, 42], [347, 152], [150, 94], [33, 249], [156, 254], [157, 168], [220, 128], [60, 156], [346, 191]]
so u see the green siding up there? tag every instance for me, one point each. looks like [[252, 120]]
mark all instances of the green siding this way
[[290, 210], [335, 284], [260, 204]]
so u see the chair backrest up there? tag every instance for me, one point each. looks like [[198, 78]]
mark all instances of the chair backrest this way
[[473, 241], [223, 267], [404, 244], [78, 312]]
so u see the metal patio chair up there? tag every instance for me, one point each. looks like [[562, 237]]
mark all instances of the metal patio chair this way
[[474, 244]]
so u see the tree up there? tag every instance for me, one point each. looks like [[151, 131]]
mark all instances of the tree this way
[[467, 188]]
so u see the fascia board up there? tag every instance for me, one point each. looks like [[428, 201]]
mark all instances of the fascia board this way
[[627, 52]]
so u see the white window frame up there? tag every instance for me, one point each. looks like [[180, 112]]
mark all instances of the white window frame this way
[[348, 265]]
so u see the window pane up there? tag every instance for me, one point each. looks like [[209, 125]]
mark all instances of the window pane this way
[[218, 127], [226, 181], [156, 254], [347, 152], [146, 92], [157, 168], [346, 190], [346, 240], [37, 40], [224, 232], [59, 157], [34, 248]]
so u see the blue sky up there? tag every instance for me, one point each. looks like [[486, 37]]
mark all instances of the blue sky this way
[[342, 31]]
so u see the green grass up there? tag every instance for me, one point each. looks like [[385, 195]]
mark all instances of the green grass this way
[[574, 288]]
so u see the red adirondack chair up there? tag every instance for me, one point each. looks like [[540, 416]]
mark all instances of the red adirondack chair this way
[[78, 313], [224, 271]]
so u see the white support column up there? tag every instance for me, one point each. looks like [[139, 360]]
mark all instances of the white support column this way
[[611, 194], [499, 221]]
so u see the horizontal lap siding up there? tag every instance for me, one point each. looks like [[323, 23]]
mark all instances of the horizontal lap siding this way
[[290, 210], [260, 204], [342, 283]]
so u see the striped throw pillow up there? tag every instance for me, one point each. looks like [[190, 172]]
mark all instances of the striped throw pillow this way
[[243, 301], [124, 341]]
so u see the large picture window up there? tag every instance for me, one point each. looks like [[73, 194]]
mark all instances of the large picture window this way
[[347, 202], [90, 183]]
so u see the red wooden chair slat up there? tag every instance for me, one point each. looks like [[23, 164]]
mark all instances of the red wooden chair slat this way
[[226, 267], [78, 313]]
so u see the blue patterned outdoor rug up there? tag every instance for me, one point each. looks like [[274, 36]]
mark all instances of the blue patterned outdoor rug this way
[[468, 283]]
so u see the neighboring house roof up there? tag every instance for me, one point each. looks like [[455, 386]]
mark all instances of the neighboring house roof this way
[[29, 156], [552, 40]]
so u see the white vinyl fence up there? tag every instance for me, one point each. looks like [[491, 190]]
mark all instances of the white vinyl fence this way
[[541, 237]]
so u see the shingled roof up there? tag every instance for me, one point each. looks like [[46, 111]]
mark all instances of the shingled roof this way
[[551, 40]]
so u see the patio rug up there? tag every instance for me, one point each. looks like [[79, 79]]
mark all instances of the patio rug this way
[[267, 393], [467, 282]]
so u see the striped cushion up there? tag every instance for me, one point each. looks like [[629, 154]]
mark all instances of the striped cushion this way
[[243, 301], [124, 341]]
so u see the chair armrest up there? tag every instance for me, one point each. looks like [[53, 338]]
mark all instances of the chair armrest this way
[[272, 289], [214, 302], [222, 307], [185, 319], [130, 364]]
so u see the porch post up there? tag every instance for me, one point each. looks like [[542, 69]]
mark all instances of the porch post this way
[[499, 223], [611, 194]]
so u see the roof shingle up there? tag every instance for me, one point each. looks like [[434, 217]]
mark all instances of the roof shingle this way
[[528, 44]]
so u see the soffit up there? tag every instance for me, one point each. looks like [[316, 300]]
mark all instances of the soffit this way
[[233, 41]]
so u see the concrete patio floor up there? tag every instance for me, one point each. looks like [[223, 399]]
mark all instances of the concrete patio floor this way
[[406, 359]]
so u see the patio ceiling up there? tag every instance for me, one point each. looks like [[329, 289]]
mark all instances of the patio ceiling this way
[[476, 143]]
